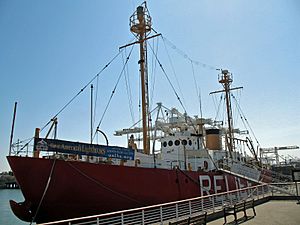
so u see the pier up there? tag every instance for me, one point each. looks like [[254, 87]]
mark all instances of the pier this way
[[270, 210]]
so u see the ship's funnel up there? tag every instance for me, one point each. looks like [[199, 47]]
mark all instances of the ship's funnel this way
[[213, 139]]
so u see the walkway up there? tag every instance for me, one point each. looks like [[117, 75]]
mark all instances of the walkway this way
[[270, 213]]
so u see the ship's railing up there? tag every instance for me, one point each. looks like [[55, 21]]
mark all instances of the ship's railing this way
[[287, 188], [163, 213]]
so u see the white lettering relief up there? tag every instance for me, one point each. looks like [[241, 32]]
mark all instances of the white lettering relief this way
[[202, 187]]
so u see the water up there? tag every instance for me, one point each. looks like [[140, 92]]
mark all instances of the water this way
[[6, 215]]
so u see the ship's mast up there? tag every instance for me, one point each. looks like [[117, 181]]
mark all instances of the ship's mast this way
[[226, 79], [140, 25]]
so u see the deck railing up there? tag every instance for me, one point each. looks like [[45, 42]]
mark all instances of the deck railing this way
[[162, 213]]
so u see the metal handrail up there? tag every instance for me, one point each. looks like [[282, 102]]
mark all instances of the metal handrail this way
[[172, 210]]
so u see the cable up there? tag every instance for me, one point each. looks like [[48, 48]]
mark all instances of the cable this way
[[72, 99], [173, 70], [82, 89], [198, 90], [243, 117], [186, 56], [168, 79], [128, 89], [102, 185], [44, 193], [113, 91]]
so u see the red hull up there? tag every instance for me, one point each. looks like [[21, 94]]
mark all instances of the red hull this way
[[80, 188]]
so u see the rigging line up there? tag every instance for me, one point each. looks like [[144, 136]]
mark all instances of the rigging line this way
[[72, 99], [45, 191], [198, 90], [173, 69], [82, 89], [219, 107], [112, 93], [154, 66], [128, 90], [101, 184], [96, 100], [186, 56], [168, 79], [244, 117]]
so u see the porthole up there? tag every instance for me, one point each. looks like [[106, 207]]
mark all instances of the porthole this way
[[165, 144], [170, 143], [190, 142], [184, 142], [177, 142]]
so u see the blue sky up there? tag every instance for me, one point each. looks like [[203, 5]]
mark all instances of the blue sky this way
[[51, 49]]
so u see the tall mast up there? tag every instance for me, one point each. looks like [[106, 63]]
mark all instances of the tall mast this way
[[140, 26], [226, 79]]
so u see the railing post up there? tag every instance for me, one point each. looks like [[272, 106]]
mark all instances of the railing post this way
[[223, 197], [122, 218], [176, 210], [98, 221], [263, 191], [143, 217], [190, 207], [213, 203], [161, 214]]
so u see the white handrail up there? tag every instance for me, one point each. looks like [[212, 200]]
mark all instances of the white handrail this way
[[171, 210]]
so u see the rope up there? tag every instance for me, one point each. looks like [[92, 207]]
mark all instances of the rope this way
[[243, 117], [44, 193], [82, 89], [186, 56], [219, 106], [113, 91], [173, 70], [128, 89], [153, 71], [73, 98], [168, 79], [198, 90], [96, 100], [102, 185]]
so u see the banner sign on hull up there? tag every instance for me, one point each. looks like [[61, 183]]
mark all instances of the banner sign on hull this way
[[78, 148]]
